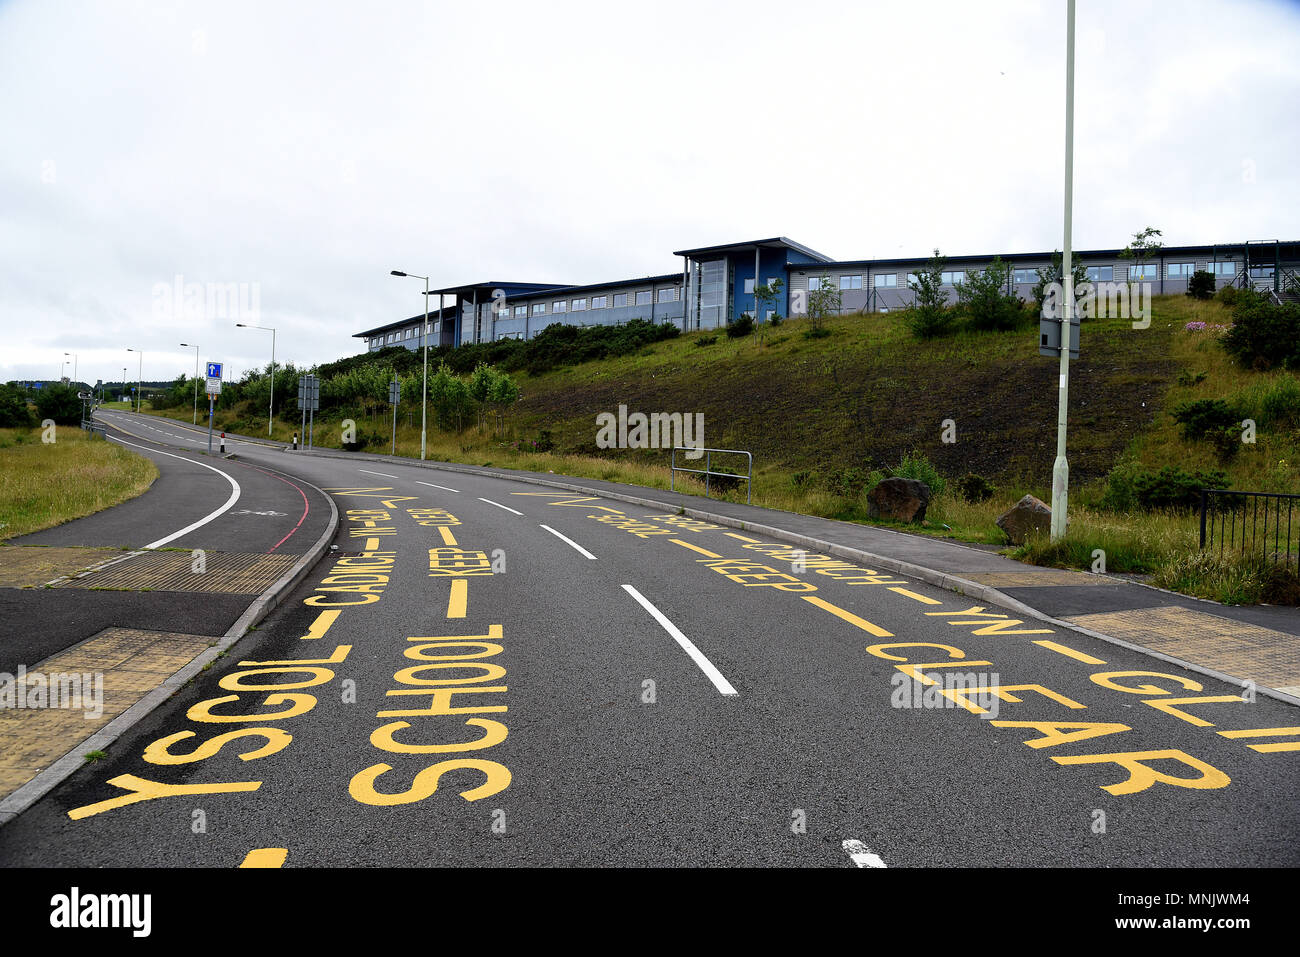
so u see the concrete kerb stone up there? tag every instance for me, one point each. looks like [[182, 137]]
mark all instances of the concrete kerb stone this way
[[944, 580], [35, 789]]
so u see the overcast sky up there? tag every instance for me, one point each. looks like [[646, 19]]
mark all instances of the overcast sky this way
[[306, 149]]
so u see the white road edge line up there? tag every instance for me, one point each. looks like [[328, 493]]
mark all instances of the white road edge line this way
[[705, 665], [565, 538], [862, 855], [384, 474], [234, 495], [443, 487], [499, 505]]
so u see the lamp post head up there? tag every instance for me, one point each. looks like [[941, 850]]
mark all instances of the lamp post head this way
[[241, 325], [398, 272]]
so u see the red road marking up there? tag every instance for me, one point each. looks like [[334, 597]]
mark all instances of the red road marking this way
[[306, 506]]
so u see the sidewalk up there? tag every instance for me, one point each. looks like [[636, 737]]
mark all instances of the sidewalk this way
[[1258, 643]]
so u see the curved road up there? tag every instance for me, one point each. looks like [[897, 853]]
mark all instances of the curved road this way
[[488, 672]]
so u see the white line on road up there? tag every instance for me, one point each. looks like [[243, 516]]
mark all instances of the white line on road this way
[[443, 487], [565, 538], [384, 474], [499, 505], [862, 855], [234, 494], [714, 675]]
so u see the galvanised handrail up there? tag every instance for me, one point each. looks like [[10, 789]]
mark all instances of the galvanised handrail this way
[[1221, 507], [707, 470]]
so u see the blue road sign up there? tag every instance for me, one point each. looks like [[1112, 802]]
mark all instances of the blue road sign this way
[[214, 370]]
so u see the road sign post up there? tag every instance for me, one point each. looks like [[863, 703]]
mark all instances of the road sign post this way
[[308, 402], [214, 390]]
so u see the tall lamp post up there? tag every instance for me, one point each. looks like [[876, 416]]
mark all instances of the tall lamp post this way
[[123, 383], [139, 379], [424, 389], [186, 345], [1061, 468], [74, 364], [270, 415]]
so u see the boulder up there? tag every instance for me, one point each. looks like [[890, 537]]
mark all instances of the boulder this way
[[1028, 516], [900, 499]]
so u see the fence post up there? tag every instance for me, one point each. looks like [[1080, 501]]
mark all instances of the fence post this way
[[1203, 502]]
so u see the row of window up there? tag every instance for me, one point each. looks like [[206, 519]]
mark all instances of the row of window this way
[[1147, 271], [643, 298]]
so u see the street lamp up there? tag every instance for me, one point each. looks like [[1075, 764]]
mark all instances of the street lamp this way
[[1061, 467], [74, 364], [123, 396], [270, 415], [424, 389], [139, 379], [186, 345]]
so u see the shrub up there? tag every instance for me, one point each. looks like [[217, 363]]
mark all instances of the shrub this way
[[816, 332], [776, 320], [975, 488], [1130, 486], [14, 413], [1203, 418], [741, 327], [706, 340], [1264, 334], [1228, 295], [984, 298], [1201, 285], [543, 442], [929, 316], [847, 482], [60, 403], [914, 465]]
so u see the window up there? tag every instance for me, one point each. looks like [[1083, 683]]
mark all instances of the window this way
[[850, 282], [1022, 276], [643, 297], [1100, 273], [814, 283], [1222, 269], [620, 299], [599, 302], [1181, 270], [667, 295], [769, 314], [955, 278], [1147, 271], [749, 287], [886, 280], [539, 309], [559, 306], [579, 305], [1261, 272], [521, 311]]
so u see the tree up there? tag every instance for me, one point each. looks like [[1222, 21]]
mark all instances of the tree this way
[[504, 393], [985, 300], [14, 413], [929, 316], [60, 403], [1201, 285], [481, 383], [768, 295], [823, 302], [1142, 248]]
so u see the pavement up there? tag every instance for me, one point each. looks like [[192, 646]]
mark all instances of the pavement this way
[[494, 669]]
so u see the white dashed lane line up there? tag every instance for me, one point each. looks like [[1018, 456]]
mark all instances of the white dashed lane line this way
[[862, 855], [569, 541], [499, 505]]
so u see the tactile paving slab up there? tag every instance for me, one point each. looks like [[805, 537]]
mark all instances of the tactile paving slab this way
[[232, 573], [28, 566], [1046, 577]]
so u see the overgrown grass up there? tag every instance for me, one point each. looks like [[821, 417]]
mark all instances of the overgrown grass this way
[[46, 484]]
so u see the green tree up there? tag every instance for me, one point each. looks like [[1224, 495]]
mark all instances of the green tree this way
[[1143, 247], [768, 296], [14, 413], [823, 302], [929, 316], [1055, 273], [503, 395], [985, 300], [60, 403]]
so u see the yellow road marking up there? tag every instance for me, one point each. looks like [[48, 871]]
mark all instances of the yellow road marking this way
[[372, 544], [1069, 652], [848, 616], [321, 624], [266, 857], [915, 597], [447, 537], [1265, 733], [695, 548], [740, 537], [459, 600]]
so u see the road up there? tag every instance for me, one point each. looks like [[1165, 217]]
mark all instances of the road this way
[[490, 673]]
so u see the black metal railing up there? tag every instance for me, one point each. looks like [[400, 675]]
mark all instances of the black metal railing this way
[[1252, 522]]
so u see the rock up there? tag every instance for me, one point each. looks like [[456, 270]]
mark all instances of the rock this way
[[1028, 516], [900, 499]]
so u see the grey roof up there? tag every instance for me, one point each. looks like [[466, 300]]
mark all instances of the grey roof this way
[[776, 242]]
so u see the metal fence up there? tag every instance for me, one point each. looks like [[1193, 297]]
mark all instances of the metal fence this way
[[1252, 522], [708, 472]]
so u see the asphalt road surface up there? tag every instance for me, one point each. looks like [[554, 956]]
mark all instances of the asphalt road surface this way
[[487, 672]]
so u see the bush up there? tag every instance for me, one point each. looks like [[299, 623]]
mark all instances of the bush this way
[[929, 316], [741, 327], [1130, 486], [975, 488], [706, 340], [1202, 418], [1264, 334], [985, 300], [776, 320], [1228, 295], [60, 403], [1201, 285], [816, 332], [916, 466], [14, 413]]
